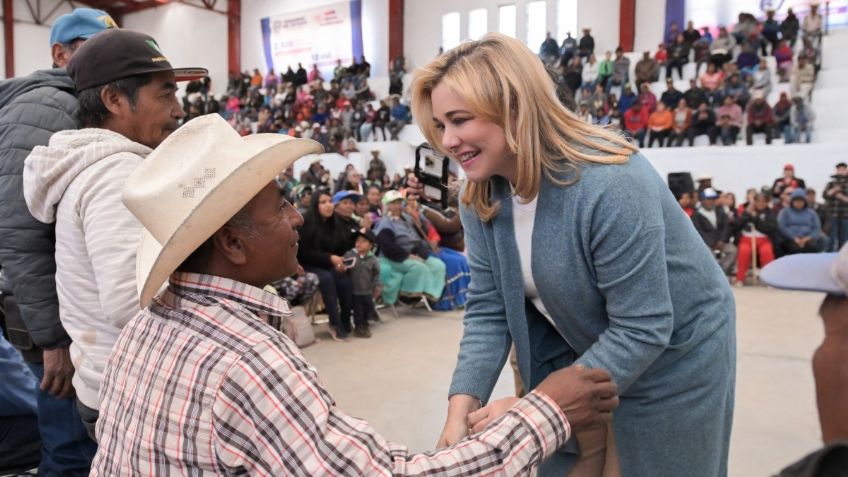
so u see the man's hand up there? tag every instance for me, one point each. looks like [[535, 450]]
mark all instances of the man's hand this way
[[586, 396], [366, 222], [300, 271], [58, 372], [377, 292]]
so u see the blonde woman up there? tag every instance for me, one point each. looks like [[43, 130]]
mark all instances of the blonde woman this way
[[579, 255]]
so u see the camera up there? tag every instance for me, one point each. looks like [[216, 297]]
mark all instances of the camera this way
[[432, 170]]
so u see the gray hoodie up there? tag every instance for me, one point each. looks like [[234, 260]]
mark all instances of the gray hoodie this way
[[77, 182], [32, 108]]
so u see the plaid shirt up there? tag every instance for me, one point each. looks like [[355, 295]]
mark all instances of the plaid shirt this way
[[198, 384], [835, 207]]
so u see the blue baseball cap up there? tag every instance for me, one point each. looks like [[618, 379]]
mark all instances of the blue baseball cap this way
[[345, 194], [81, 23]]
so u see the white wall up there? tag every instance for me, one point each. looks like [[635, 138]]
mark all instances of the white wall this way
[[650, 25], [423, 23], [32, 42], [375, 30], [189, 36]]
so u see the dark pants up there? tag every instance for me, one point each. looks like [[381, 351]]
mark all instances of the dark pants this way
[[89, 418], [675, 64], [763, 128], [729, 134], [337, 293], [815, 245], [838, 232], [678, 137], [67, 450], [639, 136], [658, 135], [363, 307], [20, 443], [711, 132]]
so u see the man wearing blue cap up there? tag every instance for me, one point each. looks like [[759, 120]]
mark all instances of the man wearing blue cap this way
[[32, 108], [823, 273]]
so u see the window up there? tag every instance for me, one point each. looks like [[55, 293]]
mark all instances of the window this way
[[506, 20], [567, 19], [450, 30], [536, 27], [477, 23]]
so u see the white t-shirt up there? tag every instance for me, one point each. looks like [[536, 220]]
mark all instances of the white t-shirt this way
[[523, 217]]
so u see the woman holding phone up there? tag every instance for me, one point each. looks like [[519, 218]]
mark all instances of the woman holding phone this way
[[579, 255]]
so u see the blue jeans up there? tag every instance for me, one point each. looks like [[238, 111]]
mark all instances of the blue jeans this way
[[838, 232], [20, 443], [66, 448], [793, 134]]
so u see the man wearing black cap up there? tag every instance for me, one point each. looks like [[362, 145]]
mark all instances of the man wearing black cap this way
[[33, 108], [128, 106], [364, 272]]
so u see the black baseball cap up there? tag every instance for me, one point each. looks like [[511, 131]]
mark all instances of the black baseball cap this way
[[119, 53]]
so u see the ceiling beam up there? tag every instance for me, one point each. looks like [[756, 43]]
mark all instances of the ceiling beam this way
[[9, 37]]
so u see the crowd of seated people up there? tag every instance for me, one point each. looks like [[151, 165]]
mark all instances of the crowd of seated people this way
[[357, 223], [728, 98], [338, 112], [782, 219]]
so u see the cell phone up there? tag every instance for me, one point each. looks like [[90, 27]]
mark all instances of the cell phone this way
[[349, 262], [432, 169]]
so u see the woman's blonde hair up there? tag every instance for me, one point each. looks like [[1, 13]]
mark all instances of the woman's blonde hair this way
[[505, 83]]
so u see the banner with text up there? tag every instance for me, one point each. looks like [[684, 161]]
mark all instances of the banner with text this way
[[318, 36]]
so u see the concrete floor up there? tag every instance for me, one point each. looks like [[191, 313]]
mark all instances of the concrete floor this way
[[398, 379]]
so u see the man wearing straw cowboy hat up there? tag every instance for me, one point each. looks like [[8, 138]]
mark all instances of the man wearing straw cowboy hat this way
[[128, 106], [199, 383]]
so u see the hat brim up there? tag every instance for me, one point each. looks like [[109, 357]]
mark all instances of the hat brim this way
[[805, 272], [268, 154], [354, 197], [190, 74]]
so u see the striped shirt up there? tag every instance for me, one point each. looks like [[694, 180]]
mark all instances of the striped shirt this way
[[199, 384]]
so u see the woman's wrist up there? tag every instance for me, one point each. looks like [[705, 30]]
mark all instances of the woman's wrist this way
[[460, 405]]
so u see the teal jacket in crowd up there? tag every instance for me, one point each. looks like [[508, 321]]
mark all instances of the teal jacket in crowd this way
[[634, 290]]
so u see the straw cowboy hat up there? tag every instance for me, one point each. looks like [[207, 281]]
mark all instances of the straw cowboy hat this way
[[192, 184]]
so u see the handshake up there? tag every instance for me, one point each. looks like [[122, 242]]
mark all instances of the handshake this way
[[586, 396]]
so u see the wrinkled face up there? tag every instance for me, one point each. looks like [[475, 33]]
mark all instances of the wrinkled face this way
[[325, 206], [271, 247], [345, 208], [478, 145], [157, 111]]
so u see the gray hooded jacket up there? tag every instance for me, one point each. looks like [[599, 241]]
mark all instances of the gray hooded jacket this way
[[32, 108]]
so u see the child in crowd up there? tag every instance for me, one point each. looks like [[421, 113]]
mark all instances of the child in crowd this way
[[364, 271]]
